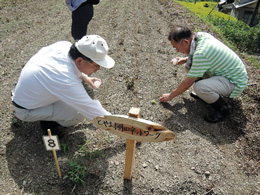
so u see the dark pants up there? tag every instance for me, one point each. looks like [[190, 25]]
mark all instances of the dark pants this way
[[80, 20]]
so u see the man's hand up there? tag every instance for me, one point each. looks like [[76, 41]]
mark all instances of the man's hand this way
[[185, 84], [90, 80], [165, 97], [179, 60]]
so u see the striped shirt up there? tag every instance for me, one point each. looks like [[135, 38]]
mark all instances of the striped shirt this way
[[216, 59]]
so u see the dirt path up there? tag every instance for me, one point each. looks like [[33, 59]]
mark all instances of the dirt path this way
[[204, 158]]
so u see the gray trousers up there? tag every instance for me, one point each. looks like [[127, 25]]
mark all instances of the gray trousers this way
[[58, 111], [211, 88]]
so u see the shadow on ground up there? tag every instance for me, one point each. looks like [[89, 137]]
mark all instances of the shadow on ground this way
[[189, 115], [34, 170]]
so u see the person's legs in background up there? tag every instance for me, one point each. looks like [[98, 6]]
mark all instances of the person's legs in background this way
[[80, 20]]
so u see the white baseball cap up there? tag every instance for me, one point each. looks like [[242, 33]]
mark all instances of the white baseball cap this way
[[95, 48]]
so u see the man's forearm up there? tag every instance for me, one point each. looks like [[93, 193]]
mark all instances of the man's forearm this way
[[185, 84]]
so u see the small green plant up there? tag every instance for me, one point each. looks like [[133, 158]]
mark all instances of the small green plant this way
[[77, 168], [65, 148], [130, 84], [95, 154], [83, 150], [88, 153], [108, 140], [175, 72], [153, 101], [77, 172]]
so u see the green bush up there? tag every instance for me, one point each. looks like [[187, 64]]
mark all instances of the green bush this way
[[246, 38]]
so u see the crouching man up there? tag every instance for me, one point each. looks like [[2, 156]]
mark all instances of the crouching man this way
[[50, 86], [207, 56]]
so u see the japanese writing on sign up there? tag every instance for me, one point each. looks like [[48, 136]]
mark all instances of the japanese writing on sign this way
[[129, 129]]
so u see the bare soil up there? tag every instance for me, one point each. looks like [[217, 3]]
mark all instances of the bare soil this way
[[204, 158]]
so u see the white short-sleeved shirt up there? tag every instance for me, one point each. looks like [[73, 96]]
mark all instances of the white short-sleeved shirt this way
[[50, 76]]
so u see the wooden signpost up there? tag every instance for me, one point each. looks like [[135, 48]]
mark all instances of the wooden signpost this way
[[133, 128], [52, 143]]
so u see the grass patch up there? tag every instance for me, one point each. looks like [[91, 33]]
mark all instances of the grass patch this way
[[78, 166], [204, 9], [77, 173]]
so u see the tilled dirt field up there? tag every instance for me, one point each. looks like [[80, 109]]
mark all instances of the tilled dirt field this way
[[204, 158]]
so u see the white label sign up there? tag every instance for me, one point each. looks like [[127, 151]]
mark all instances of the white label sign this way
[[51, 143]]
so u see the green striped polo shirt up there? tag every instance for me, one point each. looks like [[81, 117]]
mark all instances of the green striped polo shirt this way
[[216, 59]]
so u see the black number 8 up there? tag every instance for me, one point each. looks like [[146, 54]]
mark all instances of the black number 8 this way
[[51, 143]]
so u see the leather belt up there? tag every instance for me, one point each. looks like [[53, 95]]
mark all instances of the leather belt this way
[[18, 106]]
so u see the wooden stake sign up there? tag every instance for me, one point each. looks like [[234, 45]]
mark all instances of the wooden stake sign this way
[[52, 143], [133, 129]]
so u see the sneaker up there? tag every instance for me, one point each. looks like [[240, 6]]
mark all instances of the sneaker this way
[[53, 126]]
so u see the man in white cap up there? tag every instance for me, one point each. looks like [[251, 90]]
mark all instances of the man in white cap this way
[[50, 90]]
